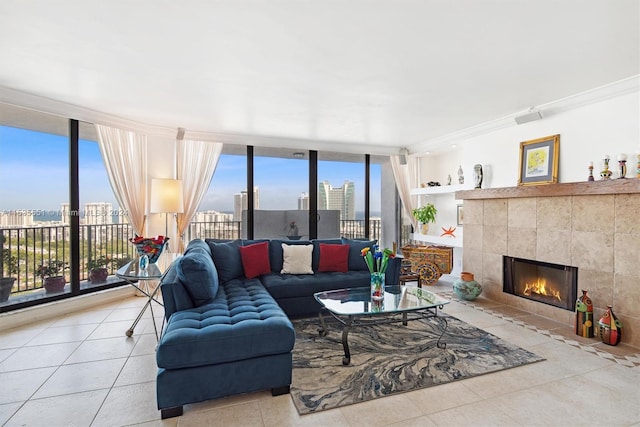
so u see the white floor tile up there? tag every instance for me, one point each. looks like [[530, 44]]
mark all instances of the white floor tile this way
[[131, 404], [68, 410], [38, 356], [138, 369], [108, 348], [106, 378], [81, 377], [19, 386], [61, 334]]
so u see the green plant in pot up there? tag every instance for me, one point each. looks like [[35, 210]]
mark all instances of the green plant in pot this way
[[8, 265], [425, 214], [97, 267], [52, 277]]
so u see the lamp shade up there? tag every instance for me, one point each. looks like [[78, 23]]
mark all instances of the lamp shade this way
[[166, 196]]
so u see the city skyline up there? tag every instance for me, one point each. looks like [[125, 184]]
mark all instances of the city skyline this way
[[37, 166]]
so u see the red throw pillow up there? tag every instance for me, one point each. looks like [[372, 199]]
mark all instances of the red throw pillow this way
[[255, 259], [334, 257]]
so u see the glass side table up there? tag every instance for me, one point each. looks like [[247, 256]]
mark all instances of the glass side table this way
[[139, 279]]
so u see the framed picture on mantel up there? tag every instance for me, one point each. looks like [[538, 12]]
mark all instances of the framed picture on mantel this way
[[539, 161]]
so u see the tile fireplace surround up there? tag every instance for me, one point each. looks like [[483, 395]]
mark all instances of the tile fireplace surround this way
[[594, 226]]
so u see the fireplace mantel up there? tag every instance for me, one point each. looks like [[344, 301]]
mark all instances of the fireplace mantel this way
[[589, 225], [602, 187]]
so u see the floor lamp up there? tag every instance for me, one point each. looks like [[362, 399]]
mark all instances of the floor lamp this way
[[166, 198]]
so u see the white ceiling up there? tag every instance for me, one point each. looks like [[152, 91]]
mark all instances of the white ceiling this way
[[369, 73]]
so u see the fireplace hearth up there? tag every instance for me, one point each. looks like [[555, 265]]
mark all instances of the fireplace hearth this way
[[543, 282]]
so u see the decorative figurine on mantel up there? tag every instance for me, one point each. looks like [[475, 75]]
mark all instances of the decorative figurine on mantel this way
[[477, 175], [460, 175], [622, 165], [606, 173], [449, 179], [590, 172]]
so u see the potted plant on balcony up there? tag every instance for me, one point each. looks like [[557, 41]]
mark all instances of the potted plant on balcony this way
[[8, 265], [97, 267], [425, 214], [52, 277]]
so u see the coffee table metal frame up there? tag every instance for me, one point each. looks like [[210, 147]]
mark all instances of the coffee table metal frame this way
[[401, 304]]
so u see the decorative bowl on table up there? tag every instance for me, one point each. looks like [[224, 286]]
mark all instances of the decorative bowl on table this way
[[152, 247]]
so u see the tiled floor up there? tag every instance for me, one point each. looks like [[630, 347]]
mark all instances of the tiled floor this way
[[82, 370]]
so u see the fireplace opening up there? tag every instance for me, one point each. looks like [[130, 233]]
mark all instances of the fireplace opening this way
[[543, 282]]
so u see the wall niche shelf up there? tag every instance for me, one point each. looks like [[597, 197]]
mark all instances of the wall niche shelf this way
[[442, 189], [441, 241]]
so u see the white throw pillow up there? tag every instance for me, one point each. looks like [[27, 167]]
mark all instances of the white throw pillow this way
[[297, 259]]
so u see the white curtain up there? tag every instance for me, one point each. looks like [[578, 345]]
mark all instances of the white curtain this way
[[125, 157], [196, 163], [406, 177]]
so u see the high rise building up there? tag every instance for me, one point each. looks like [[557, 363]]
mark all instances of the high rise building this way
[[98, 213], [240, 202], [303, 202], [19, 218], [212, 216], [65, 211], [338, 198]]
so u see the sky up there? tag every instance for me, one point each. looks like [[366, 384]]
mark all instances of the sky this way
[[34, 169]]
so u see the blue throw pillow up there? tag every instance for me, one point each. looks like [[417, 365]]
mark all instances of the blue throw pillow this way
[[197, 244], [356, 261], [226, 257], [198, 276]]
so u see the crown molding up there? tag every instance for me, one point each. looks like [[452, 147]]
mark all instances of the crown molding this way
[[592, 96], [66, 110], [443, 143], [62, 109]]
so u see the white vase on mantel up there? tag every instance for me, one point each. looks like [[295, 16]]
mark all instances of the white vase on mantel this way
[[424, 228]]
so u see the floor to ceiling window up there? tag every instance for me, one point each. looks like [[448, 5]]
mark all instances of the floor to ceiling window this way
[[281, 182], [59, 216], [50, 244], [342, 194], [104, 230], [34, 177], [220, 213]]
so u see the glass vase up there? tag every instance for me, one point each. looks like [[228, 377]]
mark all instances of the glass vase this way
[[377, 286]]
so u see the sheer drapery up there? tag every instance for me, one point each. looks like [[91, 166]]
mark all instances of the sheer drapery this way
[[196, 161], [406, 177], [125, 158]]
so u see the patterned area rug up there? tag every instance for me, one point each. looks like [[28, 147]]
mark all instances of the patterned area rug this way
[[388, 359]]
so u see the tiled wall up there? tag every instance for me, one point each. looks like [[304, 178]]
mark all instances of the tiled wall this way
[[599, 234]]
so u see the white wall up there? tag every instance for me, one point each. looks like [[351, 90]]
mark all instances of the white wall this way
[[587, 133], [161, 163]]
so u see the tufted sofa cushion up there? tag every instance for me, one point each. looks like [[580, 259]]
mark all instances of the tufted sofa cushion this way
[[294, 286], [242, 322]]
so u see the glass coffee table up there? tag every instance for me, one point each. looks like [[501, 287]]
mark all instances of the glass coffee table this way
[[353, 307]]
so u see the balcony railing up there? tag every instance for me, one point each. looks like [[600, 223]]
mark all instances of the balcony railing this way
[[25, 249], [31, 247], [229, 230]]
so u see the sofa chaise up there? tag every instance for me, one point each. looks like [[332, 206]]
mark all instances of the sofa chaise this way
[[227, 306]]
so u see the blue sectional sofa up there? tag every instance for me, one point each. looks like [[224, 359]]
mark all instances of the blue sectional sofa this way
[[227, 306]]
